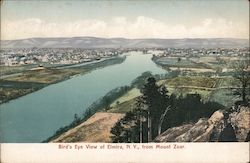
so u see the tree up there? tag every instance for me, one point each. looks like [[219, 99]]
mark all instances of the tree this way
[[77, 119], [150, 97], [156, 100], [178, 59], [116, 132], [124, 129], [242, 73], [140, 112]]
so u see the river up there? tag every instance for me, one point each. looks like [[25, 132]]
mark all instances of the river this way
[[36, 116]]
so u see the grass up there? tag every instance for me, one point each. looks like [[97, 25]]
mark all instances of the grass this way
[[224, 97], [6, 70], [197, 64], [195, 81], [205, 94], [229, 81], [207, 87], [7, 94], [173, 62], [128, 96], [125, 103], [47, 76], [12, 89], [123, 107]]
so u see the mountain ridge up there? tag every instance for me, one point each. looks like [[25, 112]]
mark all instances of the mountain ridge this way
[[98, 42]]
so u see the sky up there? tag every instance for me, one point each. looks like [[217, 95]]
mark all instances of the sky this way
[[125, 18]]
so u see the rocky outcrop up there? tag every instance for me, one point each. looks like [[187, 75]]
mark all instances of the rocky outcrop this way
[[171, 134], [240, 122], [221, 126]]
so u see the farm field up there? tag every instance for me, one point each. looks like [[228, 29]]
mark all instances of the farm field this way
[[179, 62], [197, 64], [47, 76]]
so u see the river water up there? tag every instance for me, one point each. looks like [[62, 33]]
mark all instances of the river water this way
[[36, 116]]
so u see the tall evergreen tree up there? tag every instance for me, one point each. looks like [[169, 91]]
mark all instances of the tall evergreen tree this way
[[156, 100]]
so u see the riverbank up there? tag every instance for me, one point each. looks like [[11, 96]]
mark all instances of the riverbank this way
[[15, 86]]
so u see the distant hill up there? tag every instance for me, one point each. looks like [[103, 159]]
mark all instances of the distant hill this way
[[94, 42]]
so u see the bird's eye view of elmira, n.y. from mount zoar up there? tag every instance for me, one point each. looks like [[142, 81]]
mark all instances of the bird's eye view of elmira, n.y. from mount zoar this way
[[124, 71]]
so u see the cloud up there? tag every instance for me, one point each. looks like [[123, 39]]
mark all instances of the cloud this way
[[141, 27]]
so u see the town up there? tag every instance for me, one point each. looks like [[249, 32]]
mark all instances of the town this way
[[14, 57], [60, 56]]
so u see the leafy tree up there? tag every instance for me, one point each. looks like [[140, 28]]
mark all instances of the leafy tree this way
[[117, 132], [140, 80], [123, 130], [242, 73]]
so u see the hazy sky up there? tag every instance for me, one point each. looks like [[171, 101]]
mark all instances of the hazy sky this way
[[125, 18]]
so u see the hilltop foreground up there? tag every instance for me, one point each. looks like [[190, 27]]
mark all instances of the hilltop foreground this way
[[219, 127], [95, 129]]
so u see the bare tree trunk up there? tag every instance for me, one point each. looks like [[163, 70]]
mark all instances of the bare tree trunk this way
[[141, 130], [149, 128], [162, 118]]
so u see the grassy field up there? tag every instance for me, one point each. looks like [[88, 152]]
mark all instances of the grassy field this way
[[214, 89], [174, 62], [5, 70], [11, 93], [224, 97], [197, 64], [195, 81], [47, 76], [128, 96], [123, 107]]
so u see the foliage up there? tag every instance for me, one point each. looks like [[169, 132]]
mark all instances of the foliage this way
[[242, 73], [140, 80]]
